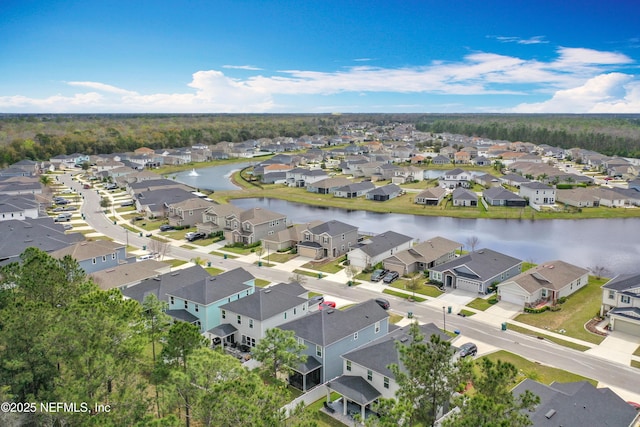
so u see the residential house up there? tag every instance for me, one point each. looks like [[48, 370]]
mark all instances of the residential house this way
[[188, 212], [538, 194], [441, 160], [252, 225], [19, 207], [576, 404], [384, 193], [608, 197], [42, 233], [366, 374], [476, 271], [448, 151], [408, 174], [621, 303], [354, 190], [155, 203], [29, 166], [481, 161], [430, 196], [203, 299], [386, 171], [214, 218], [456, 178], [544, 283], [375, 249], [463, 197], [95, 255], [328, 334], [487, 180], [514, 180], [328, 185], [17, 185], [423, 256], [287, 238], [498, 196], [245, 321], [126, 275], [577, 197], [462, 157], [329, 239], [301, 177]]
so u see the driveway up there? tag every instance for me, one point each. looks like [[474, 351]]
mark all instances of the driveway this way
[[617, 347], [498, 313]]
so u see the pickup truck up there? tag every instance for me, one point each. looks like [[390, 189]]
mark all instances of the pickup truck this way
[[63, 217]]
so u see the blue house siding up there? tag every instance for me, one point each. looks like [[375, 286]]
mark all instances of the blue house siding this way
[[103, 262]]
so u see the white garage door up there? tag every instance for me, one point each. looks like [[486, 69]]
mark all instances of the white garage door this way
[[511, 297], [626, 327], [466, 285]]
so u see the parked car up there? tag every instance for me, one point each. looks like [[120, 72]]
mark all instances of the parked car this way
[[58, 209], [468, 349], [145, 257], [86, 186], [63, 217], [111, 186], [377, 275], [166, 227], [127, 203], [390, 277], [326, 305], [383, 303], [318, 299], [67, 226], [191, 236]]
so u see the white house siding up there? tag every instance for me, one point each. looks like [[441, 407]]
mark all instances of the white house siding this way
[[467, 285], [377, 379], [513, 294]]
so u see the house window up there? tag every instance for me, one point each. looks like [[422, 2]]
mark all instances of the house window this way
[[93, 261], [300, 341], [377, 327], [325, 239], [349, 365], [172, 301], [186, 305], [285, 314], [355, 336], [306, 236], [224, 314], [250, 323], [612, 294], [196, 308], [295, 311], [544, 293], [343, 237], [625, 299], [386, 382], [113, 255], [318, 351], [191, 213], [369, 374], [239, 320], [198, 324]]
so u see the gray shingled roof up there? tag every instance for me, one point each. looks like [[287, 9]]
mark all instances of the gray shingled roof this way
[[500, 193], [384, 242], [215, 288], [536, 185], [482, 264], [325, 327], [386, 190], [576, 404], [357, 186], [332, 228], [354, 388], [623, 282], [169, 282], [464, 194], [266, 303]]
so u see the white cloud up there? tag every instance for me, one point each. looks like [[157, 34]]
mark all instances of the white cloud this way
[[577, 78], [242, 67], [530, 40], [606, 93]]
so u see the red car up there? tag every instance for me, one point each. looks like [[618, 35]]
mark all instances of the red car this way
[[326, 304]]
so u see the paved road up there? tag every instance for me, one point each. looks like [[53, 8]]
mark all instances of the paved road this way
[[545, 352]]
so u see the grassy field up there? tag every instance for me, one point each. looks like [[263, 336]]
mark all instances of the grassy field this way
[[424, 289], [635, 364], [537, 372], [403, 295], [637, 352], [175, 262], [261, 283], [281, 257], [328, 267], [480, 304], [562, 342], [214, 271], [580, 307], [467, 313]]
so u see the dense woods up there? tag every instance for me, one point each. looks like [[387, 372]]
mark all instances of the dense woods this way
[[40, 137]]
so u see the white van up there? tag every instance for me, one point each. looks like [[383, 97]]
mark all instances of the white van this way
[[145, 257], [63, 217]]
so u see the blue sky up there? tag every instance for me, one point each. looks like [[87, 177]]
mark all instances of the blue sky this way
[[252, 56]]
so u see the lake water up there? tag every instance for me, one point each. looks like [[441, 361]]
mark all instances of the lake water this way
[[215, 178], [612, 243]]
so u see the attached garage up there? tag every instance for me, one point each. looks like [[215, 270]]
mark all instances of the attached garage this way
[[626, 326], [626, 320], [467, 285], [512, 293]]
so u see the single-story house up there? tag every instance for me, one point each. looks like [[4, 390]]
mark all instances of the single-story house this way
[[353, 190], [544, 283], [498, 196], [384, 193], [463, 197], [374, 250], [431, 196]]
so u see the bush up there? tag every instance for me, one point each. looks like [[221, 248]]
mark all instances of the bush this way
[[562, 300], [536, 310], [555, 308], [493, 300]]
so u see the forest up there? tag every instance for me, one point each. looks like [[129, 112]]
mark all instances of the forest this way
[[40, 137]]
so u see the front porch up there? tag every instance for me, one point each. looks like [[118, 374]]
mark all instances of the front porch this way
[[357, 397]]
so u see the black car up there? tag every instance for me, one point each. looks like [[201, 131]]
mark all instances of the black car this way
[[383, 303], [195, 236], [390, 277], [468, 349], [166, 227], [316, 300], [62, 202]]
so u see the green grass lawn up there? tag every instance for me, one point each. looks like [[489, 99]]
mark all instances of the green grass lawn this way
[[281, 257], [222, 255], [239, 251], [403, 295], [635, 364], [395, 318], [214, 271], [320, 418], [187, 246], [480, 304], [424, 289], [329, 267], [261, 283], [637, 352], [175, 262], [562, 342], [467, 313], [536, 371], [309, 273], [580, 307]]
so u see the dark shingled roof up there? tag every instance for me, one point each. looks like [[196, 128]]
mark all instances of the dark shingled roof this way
[[384, 242], [215, 288], [482, 264], [267, 302], [169, 282], [354, 388], [623, 282], [332, 228]]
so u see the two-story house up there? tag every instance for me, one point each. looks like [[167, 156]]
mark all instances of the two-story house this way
[[329, 239], [246, 320], [203, 298], [456, 178], [301, 177], [538, 194], [95, 255], [621, 303], [375, 249], [19, 207], [187, 212], [214, 217], [328, 334], [366, 376], [252, 225], [476, 271]]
